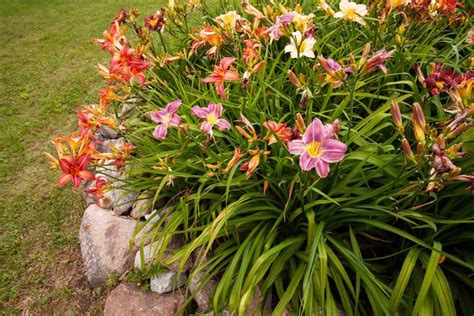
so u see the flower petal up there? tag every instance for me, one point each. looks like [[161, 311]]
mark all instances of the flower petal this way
[[226, 62], [199, 111], [296, 147], [160, 131], [314, 132], [306, 162], [206, 127], [223, 124], [65, 178], [333, 150], [175, 120], [172, 107], [322, 168]]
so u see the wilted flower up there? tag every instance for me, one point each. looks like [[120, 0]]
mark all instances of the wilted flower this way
[[300, 47], [211, 116], [317, 149], [221, 74], [237, 156], [166, 117], [283, 132], [351, 11], [98, 190]]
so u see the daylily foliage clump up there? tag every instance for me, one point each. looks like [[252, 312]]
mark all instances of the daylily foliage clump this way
[[316, 152]]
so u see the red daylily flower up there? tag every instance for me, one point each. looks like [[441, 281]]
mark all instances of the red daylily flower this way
[[74, 170], [221, 74]]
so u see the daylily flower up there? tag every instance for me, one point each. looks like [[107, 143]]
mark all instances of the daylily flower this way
[[317, 149], [156, 22], [228, 20], [75, 170], [351, 11], [335, 73], [419, 123], [299, 46], [377, 61], [283, 132], [441, 79], [166, 117], [221, 74], [329, 11], [211, 116], [127, 64]]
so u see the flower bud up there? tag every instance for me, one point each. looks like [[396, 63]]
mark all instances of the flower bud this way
[[294, 79], [300, 123], [407, 150], [304, 99], [397, 116], [419, 123]]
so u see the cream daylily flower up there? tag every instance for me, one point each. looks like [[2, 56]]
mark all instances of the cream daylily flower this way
[[228, 20], [351, 11], [301, 21], [299, 46]]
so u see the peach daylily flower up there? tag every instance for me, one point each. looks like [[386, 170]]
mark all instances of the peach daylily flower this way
[[223, 72]]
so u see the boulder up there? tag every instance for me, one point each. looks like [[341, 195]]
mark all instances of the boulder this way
[[168, 281], [151, 250], [143, 206], [105, 242], [108, 133], [128, 299], [118, 200]]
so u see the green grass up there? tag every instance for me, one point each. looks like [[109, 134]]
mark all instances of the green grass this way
[[47, 61]]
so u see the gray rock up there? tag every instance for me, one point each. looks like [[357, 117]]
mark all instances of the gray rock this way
[[202, 293], [165, 282], [107, 145], [127, 299], [125, 111], [104, 241], [143, 206], [118, 200], [151, 250], [108, 133]]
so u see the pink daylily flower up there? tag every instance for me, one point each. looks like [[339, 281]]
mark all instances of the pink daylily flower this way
[[211, 116], [317, 148], [166, 117], [221, 74]]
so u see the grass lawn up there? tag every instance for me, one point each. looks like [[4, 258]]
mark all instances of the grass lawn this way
[[47, 70]]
